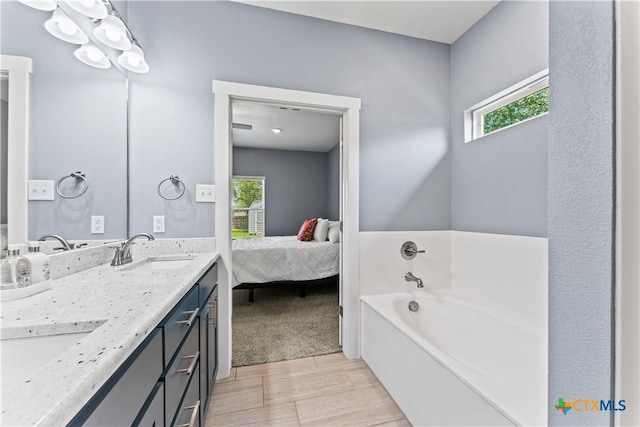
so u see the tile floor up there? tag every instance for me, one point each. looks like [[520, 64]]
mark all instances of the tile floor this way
[[328, 390]]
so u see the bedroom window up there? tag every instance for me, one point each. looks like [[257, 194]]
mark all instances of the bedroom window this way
[[247, 195], [516, 104]]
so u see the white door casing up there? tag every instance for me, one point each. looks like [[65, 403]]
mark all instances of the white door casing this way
[[224, 93], [627, 287]]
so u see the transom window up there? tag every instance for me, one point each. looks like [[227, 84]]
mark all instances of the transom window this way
[[247, 206], [516, 104]]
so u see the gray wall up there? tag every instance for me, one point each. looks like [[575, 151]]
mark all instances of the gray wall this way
[[296, 185], [78, 122], [581, 209], [499, 182], [403, 83], [333, 182]]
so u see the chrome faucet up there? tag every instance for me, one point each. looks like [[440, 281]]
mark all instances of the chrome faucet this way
[[66, 246], [409, 277], [123, 253]]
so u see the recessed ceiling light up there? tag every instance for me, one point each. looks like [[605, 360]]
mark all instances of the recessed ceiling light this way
[[276, 130]]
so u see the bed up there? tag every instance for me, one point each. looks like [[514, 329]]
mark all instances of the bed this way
[[283, 260]]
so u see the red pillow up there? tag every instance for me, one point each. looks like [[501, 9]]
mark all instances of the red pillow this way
[[306, 231]]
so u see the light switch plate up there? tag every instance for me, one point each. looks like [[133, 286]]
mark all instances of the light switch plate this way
[[40, 189], [205, 193], [158, 223]]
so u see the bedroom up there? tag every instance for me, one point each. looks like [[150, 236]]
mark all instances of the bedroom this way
[[286, 169]]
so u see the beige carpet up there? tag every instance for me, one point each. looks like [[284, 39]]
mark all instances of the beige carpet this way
[[280, 325]]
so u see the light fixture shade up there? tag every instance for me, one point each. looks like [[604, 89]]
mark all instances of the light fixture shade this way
[[62, 27], [47, 5], [133, 60], [91, 8], [91, 55], [113, 33]]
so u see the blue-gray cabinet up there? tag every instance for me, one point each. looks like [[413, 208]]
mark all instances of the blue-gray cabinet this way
[[168, 380]]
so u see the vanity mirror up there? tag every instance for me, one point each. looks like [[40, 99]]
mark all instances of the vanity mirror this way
[[77, 121]]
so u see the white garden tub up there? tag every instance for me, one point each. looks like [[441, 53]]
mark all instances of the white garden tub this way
[[456, 361]]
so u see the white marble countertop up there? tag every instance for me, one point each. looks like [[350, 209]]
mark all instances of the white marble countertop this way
[[123, 306]]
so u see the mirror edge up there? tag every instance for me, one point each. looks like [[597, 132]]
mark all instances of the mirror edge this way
[[18, 69]]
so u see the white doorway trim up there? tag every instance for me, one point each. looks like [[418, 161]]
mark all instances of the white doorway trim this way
[[224, 93], [18, 71], [627, 287]]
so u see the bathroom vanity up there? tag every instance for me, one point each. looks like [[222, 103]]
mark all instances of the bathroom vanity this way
[[169, 378], [130, 345]]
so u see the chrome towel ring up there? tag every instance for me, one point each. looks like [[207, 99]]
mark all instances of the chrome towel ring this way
[[175, 180], [78, 176]]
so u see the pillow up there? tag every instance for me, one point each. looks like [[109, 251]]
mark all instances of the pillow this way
[[322, 228], [306, 231], [334, 231]]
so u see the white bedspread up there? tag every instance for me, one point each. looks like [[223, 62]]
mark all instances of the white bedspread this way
[[269, 259]]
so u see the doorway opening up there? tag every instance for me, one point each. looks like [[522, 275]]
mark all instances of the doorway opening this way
[[285, 172], [226, 93]]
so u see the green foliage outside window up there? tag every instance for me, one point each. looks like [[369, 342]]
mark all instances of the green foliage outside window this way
[[517, 111], [245, 192]]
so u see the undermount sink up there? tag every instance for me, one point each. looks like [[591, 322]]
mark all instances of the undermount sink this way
[[24, 357], [159, 263]]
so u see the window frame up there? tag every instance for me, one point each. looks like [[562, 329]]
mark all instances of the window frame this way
[[474, 116], [264, 197]]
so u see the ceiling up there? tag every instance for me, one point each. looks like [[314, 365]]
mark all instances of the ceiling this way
[[441, 21], [302, 130]]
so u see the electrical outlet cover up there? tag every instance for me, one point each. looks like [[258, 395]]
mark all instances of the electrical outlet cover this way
[[97, 224], [158, 223]]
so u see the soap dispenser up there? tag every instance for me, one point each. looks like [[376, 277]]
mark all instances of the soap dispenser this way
[[40, 271], [19, 268], [6, 268]]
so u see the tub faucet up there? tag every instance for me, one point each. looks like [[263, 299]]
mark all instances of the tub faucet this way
[[123, 253], [409, 277]]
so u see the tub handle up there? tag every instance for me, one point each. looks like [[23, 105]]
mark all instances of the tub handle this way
[[409, 250]]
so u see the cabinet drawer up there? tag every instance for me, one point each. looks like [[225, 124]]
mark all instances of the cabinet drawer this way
[[190, 410], [207, 283], [153, 415], [184, 367], [127, 396], [178, 323]]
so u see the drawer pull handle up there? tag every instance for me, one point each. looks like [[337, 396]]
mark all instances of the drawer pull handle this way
[[191, 318], [194, 414], [192, 365]]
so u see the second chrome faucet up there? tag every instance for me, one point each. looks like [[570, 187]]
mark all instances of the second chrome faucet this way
[[123, 253]]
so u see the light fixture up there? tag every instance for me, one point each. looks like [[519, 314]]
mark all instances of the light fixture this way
[[62, 27], [276, 130], [91, 55], [107, 40], [92, 8], [133, 60], [113, 33], [47, 5]]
